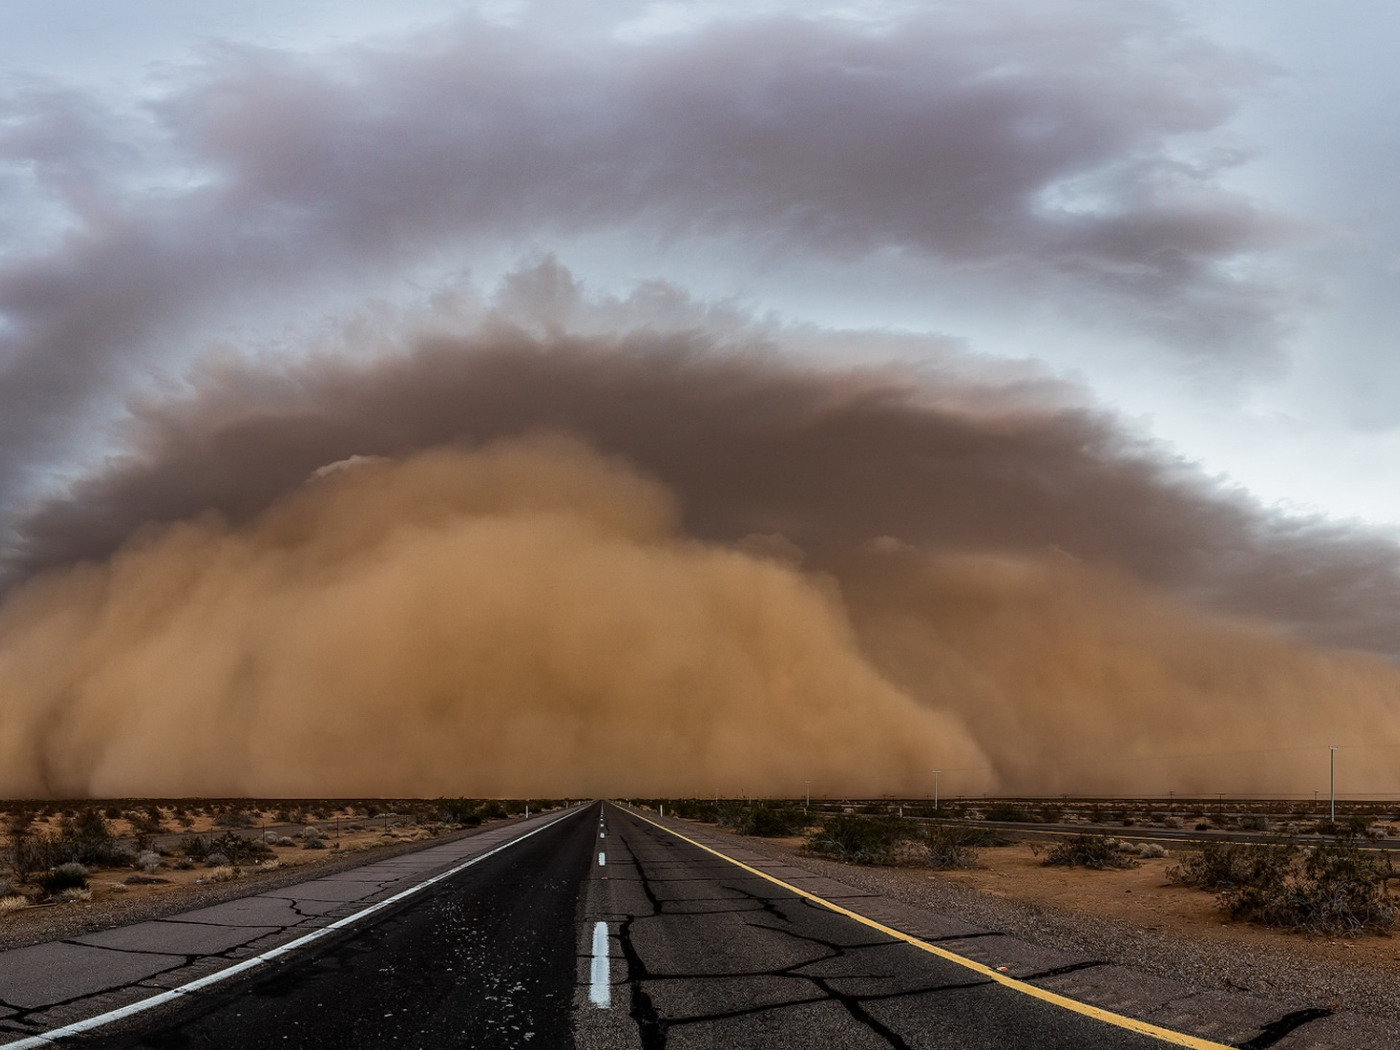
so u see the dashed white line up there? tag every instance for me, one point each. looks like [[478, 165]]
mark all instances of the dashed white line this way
[[600, 977]]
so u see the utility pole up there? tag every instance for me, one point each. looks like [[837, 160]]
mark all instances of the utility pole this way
[[935, 773], [1332, 756]]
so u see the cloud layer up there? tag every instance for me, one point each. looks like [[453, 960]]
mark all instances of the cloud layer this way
[[1003, 144], [753, 572], [752, 443]]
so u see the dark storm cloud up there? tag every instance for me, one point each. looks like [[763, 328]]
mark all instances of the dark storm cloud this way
[[752, 445], [1031, 149]]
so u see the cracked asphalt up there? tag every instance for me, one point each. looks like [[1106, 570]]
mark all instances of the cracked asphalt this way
[[710, 956], [692, 952]]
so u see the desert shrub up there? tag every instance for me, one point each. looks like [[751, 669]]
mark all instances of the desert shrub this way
[[239, 848], [84, 837], [236, 818], [270, 837], [74, 894], [1334, 888], [952, 845], [1085, 851], [148, 861], [286, 840], [216, 860], [696, 809], [13, 902], [222, 873], [861, 840], [64, 877], [772, 821], [460, 811], [147, 821], [492, 810], [184, 864], [1222, 865], [1254, 822], [1151, 850], [7, 888], [309, 842], [1049, 814], [1005, 811]]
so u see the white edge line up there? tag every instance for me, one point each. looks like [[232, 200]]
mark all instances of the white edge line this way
[[50, 1037]]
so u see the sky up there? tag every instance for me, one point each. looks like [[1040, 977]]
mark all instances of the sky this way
[[1066, 321], [1184, 207]]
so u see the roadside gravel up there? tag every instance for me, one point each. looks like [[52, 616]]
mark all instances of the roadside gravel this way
[[1267, 971], [37, 924]]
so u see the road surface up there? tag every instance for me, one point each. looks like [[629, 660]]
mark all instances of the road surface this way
[[604, 928]]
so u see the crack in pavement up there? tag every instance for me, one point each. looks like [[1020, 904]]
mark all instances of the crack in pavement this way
[[1275, 1030], [190, 957], [654, 1029]]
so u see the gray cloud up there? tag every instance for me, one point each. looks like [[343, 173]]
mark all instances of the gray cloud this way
[[990, 140], [753, 444]]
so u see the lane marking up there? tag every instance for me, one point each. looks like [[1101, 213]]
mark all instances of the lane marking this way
[[51, 1037], [600, 977], [1132, 1024]]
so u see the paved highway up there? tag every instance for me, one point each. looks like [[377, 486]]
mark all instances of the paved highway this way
[[610, 929]]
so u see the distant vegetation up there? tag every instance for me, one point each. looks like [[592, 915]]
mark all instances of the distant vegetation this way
[[50, 848]]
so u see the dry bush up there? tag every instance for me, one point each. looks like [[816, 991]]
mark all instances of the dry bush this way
[[861, 840], [1096, 852], [70, 876], [13, 903], [953, 845], [1335, 888]]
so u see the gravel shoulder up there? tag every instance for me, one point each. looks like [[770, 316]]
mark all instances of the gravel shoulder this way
[[1250, 960], [37, 924]]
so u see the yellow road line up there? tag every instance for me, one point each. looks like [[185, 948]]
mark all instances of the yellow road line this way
[[1132, 1024]]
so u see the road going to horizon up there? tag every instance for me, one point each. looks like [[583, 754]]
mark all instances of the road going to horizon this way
[[606, 930]]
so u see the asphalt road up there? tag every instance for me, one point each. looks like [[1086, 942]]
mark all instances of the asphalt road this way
[[485, 959], [602, 930], [710, 956]]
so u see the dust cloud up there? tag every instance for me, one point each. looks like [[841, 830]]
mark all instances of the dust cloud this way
[[518, 620], [640, 548], [1077, 679]]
